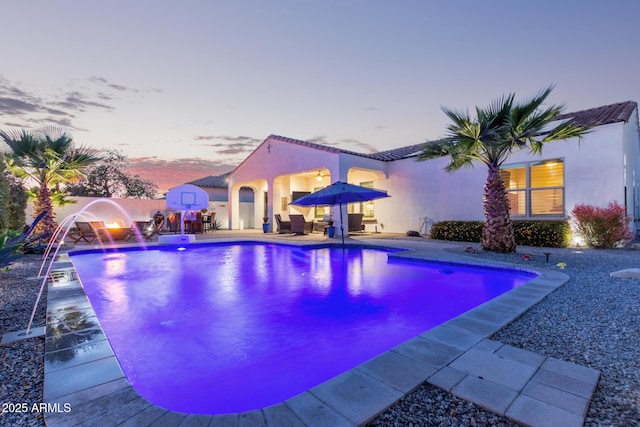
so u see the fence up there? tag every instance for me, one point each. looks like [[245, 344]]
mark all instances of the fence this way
[[122, 211]]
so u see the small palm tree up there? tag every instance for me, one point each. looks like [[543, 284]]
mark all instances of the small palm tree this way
[[49, 158], [495, 134]]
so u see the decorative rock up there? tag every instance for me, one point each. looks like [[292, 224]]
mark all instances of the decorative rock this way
[[628, 273]]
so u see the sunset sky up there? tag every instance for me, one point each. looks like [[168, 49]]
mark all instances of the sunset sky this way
[[187, 89]]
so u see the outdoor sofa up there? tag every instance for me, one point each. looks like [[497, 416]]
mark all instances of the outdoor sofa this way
[[299, 225], [283, 226]]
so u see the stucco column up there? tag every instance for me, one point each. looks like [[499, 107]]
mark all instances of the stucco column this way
[[234, 207], [259, 203], [269, 209]]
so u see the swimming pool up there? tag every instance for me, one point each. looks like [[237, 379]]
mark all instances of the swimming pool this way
[[228, 328]]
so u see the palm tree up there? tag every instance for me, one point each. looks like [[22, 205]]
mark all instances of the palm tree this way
[[49, 158], [494, 135]]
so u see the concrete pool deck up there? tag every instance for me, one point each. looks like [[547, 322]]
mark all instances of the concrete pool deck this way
[[82, 372]]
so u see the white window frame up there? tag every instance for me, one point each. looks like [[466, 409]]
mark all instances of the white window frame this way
[[528, 189]]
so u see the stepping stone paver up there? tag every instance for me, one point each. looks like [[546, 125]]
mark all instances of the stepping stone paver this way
[[251, 419], [461, 339], [447, 378], [489, 346], [281, 415], [533, 412], [501, 371], [356, 395], [432, 353], [571, 370], [524, 356], [398, 371], [553, 396], [562, 382], [527, 387], [485, 393], [315, 413]]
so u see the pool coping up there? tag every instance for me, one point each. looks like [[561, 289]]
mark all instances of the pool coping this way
[[457, 356]]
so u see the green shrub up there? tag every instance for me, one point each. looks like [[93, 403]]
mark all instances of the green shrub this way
[[550, 234], [457, 231]]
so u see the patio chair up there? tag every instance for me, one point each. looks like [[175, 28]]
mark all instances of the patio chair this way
[[196, 225], [98, 228], [145, 229], [84, 231], [208, 222], [355, 223], [299, 225], [174, 222], [97, 225], [283, 226], [190, 222], [157, 228]]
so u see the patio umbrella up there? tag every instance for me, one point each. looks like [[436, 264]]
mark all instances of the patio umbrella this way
[[339, 193]]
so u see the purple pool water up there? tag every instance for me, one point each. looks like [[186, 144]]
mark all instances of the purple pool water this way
[[229, 328]]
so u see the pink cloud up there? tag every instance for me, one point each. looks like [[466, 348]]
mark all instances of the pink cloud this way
[[171, 173]]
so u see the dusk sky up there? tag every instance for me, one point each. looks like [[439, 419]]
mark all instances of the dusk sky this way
[[188, 89]]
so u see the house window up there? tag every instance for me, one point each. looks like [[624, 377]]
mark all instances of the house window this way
[[367, 208], [320, 211], [535, 188]]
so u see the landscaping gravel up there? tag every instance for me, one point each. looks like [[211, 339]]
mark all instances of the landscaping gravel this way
[[593, 320], [22, 369]]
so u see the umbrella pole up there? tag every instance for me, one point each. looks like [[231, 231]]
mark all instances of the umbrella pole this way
[[341, 227]]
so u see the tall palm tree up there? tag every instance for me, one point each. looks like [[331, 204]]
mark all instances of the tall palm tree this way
[[49, 158], [494, 135]]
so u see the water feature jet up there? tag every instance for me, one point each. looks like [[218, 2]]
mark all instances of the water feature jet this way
[[68, 221]]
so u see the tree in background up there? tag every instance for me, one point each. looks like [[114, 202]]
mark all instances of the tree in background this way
[[5, 198], [13, 200], [49, 158], [139, 188], [107, 178], [494, 135], [17, 203]]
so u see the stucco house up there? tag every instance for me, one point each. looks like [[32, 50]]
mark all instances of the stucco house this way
[[603, 167]]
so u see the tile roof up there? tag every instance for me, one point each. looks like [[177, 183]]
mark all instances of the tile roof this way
[[607, 114], [308, 144], [598, 116], [219, 181], [400, 153], [384, 156]]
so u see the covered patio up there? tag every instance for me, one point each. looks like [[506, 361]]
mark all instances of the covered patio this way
[[282, 170]]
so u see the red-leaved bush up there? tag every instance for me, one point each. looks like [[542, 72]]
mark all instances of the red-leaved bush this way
[[602, 227]]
